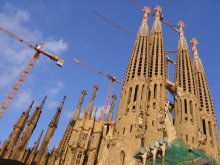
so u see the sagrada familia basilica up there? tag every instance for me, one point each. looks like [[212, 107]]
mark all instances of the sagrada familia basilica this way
[[149, 129]]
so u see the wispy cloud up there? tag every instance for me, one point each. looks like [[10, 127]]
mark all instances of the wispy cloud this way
[[23, 98], [56, 46], [55, 88], [52, 92], [14, 56]]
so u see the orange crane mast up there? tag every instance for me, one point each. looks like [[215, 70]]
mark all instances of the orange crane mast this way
[[110, 77], [38, 48]]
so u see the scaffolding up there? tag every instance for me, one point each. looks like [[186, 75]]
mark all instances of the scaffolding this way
[[179, 153]]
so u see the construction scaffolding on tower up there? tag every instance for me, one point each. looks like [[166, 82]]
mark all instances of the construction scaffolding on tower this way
[[179, 153]]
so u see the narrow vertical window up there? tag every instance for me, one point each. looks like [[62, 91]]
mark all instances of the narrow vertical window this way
[[131, 128], [185, 105], [129, 95], [155, 91], [122, 158], [149, 95], [191, 111], [210, 129], [128, 99], [204, 126], [135, 93]]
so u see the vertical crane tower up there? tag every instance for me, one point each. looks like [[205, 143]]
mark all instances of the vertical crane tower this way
[[110, 77], [38, 48]]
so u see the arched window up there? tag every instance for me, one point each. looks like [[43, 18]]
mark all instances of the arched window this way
[[122, 158]]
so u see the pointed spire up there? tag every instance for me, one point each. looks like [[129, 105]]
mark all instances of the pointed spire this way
[[110, 114], [76, 114], [88, 111], [143, 30], [56, 117], [38, 140], [29, 108], [22, 143], [36, 144], [15, 134], [182, 41], [194, 48], [157, 22], [41, 155], [33, 152], [37, 112], [94, 115], [197, 60]]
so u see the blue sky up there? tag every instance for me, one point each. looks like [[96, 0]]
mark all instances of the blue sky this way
[[71, 31]]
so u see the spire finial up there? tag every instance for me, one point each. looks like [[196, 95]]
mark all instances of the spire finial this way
[[96, 109], [158, 8], [157, 23], [143, 30], [88, 111], [76, 114], [158, 13], [181, 25], [182, 41], [197, 60], [194, 48], [110, 114], [55, 119], [146, 11], [29, 108]]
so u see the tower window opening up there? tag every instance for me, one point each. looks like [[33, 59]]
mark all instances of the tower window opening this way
[[191, 111], [78, 158], [185, 105], [153, 123], [210, 129], [128, 99], [149, 96], [204, 126], [142, 91], [135, 93], [84, 137], [155, 91], [123, 131], [131, 128], [187, 138], [122, 158]]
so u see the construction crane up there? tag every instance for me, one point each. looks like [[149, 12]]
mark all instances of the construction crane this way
[[38, 48], [120, 28], [110, 77], [114, 24]]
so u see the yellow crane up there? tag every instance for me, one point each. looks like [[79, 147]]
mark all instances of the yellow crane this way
[[38, 48]]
